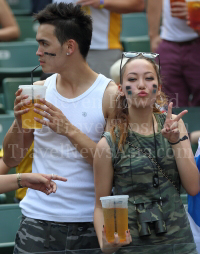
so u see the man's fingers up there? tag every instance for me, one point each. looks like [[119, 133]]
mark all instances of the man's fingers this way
[[179, 116], [19, 98], [49, 105], [43, 113], [44, 108], [179, 4]]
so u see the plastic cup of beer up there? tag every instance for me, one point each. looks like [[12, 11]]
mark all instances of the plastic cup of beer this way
[[194, 13], [171, 6], [35, 93], [115, 212]]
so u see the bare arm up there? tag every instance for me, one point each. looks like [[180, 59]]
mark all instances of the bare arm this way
[[18, 140], [3, 167], [174, 129], [40, 182], [109, 103], [194, 137], [118, 6], [10, 29], [185, 162], [103, 177], [125, 6], [154, 10]]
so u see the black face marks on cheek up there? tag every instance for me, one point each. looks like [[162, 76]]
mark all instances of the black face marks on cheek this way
[[128, 89], [49, 54], [155, 88]]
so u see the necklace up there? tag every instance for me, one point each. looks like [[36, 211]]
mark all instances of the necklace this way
[[155, 179]]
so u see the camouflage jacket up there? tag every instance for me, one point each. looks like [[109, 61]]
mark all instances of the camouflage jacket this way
[[133, 176]]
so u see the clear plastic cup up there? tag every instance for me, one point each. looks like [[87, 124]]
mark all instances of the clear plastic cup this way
[[35, 93], [115, 212], [194, 13]]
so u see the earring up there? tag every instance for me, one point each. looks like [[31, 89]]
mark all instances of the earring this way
[[68, 54]]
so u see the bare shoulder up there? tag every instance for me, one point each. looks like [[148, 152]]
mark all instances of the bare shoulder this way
[[39, 83], [109, 99]]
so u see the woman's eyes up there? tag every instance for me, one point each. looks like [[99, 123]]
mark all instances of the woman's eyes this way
[[131, 79], [147, 78], [150, 78]]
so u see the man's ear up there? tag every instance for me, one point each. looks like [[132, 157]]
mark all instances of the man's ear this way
[[70, 46]]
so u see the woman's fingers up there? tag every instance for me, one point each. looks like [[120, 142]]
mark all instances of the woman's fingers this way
[[179, 116], [169, 112], [128, 237], [116, 241], [173, 126]]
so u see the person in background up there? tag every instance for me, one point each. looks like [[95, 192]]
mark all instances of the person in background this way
[[9, 29], [143, 156], [106, 47], [179, 49], [194, 137], [194, 206], [25, 166], [38, 5]]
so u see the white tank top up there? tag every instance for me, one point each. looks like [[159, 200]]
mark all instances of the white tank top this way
[[175, 29], [106, 27], [54, 153]]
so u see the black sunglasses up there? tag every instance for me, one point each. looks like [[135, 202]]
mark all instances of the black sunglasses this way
[[133, 54]]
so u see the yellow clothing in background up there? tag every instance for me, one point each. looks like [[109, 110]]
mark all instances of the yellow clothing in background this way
[[25, 166], [1, 153]]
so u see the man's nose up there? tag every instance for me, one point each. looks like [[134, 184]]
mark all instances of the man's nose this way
[[39, 52]]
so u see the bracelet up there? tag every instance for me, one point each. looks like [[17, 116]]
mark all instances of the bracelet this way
[[181, 139], [19, 180], [101, 6]]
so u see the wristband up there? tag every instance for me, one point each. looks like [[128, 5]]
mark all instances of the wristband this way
[[101, 6], [19, 180], [181, 139]]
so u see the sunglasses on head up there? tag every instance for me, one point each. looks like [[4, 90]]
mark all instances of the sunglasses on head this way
[[133, 54]]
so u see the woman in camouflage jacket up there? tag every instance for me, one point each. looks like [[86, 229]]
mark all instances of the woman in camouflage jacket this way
[[146, 155]]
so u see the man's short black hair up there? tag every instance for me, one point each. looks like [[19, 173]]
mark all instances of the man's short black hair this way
[[70, 22]]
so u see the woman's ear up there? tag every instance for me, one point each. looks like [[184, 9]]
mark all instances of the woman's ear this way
[[159, 89], [120, 90]]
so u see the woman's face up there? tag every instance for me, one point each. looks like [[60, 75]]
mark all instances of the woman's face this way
[[140, 83]]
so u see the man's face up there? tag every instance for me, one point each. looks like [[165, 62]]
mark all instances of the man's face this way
[[49, 43]]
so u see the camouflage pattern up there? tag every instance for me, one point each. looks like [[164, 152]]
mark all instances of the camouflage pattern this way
[[133, 176], [47, 237]]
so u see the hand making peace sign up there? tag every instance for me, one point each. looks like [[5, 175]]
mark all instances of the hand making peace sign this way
[[171, 131]]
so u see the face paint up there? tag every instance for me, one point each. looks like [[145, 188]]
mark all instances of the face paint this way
[[154, 88], [49, 54], [128, 88]]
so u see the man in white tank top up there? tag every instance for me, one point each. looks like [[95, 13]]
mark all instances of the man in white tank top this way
[[77, 102], [106, 17], [179, 49]]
